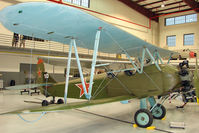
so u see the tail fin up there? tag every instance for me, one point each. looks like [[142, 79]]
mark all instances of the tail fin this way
[[40, 72], [40, 79]]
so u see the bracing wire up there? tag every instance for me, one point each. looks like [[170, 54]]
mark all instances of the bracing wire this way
[[126, 52], [99, 86], [152, 80], [30, 75], [46, 89]]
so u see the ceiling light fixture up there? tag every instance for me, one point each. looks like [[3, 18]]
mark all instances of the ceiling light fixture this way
[[162, 5]]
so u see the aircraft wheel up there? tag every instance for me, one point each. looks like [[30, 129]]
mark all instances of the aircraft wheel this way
[[158, 111], [44, 103], [143, 118], [60, 101]]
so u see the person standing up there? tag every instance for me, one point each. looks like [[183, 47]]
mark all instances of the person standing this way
[[22, 40], [15, 40]]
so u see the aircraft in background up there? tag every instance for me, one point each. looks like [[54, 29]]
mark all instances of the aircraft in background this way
[[72, 26]]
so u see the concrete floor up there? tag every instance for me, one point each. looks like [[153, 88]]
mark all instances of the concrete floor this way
[[74, 121]]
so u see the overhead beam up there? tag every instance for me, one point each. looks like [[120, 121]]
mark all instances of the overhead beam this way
[[166, 5], [193, 4], [171, 8], [12, 1], [140, 9], [139, 1], [154, 2], [168, 13]]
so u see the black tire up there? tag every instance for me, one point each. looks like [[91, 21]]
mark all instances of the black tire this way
[[158, 112], [44, 103], [143, 118], [60, 101]]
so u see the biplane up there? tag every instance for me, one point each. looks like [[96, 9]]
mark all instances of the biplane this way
[[76, 28]]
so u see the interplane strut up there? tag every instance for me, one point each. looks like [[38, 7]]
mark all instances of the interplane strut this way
[[73, 44], [155, 58]]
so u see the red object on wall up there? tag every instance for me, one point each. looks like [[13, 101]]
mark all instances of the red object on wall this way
[[192, 54]]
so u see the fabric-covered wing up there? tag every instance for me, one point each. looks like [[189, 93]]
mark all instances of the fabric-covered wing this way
[[59, 23]]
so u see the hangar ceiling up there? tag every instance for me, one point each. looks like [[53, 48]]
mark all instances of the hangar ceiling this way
[[152, 8], [11, 1]]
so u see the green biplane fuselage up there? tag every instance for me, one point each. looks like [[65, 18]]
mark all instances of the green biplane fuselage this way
[[151, 82]]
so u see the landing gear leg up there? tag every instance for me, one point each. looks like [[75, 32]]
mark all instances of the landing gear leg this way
[[53, 100], [158, 110]]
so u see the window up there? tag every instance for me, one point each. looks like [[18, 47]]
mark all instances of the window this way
[[171, 41], [170, 21], [77, 2], [191, 18], [181, 19], [68, 1], [84, 3], [189, 39]]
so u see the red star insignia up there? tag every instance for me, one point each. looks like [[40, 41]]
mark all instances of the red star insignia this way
[[39, 73], [80, 86]]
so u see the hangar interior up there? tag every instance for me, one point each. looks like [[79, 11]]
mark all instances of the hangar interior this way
[[169, 24]]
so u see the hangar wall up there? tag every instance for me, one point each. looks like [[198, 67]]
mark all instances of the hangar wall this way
[[10, 68], [11, 62], [118, 9], [3, 30], [179, 30]]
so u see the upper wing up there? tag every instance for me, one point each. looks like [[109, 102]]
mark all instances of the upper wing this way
[[59, 23]]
